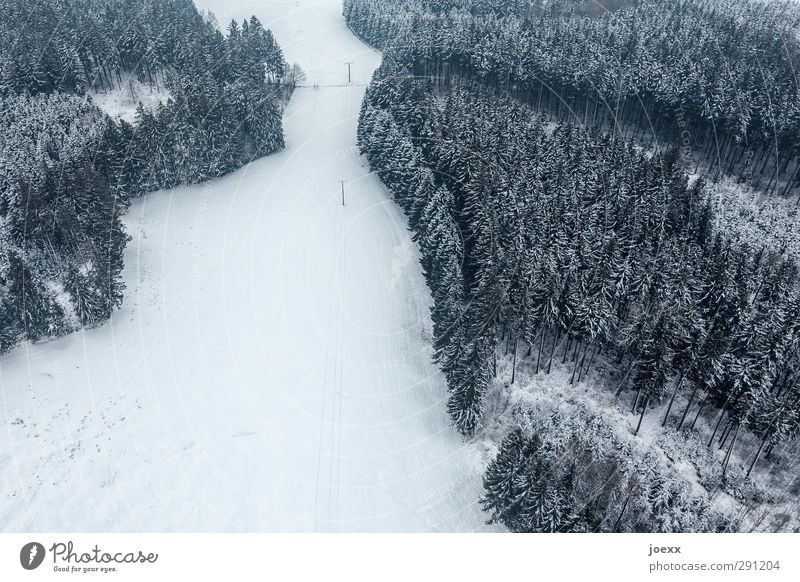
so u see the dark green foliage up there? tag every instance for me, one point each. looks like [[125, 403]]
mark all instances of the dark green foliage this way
[[226, 92], [69, 170], [566, 237], [529, 490], [716, 77], [567, 470], [61, 251], [573, 241]]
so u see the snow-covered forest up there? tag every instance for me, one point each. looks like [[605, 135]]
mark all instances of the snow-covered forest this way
[[469, 265], [69, 170], [269, 365], [519, 141], [715, 77]]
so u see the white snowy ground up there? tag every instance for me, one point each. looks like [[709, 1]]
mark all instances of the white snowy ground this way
[[122, 103], [270, 367]]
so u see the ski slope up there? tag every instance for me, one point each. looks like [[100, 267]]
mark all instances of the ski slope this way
[[270, 367]]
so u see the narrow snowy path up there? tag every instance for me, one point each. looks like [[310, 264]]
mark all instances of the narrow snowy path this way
[[270, 368]]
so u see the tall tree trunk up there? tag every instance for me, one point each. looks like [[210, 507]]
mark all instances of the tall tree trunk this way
[[553, 349], [621, 513], [672, 398], [621, 385], [764, 439], [577, 349], [641, 416], [514, 362], [729, 454], [541, 347], [636, 399], [791, 180], [699, 410], [595, 351], [578, 366], [566, 349], [725, 434], [688, 406], [719, 422]]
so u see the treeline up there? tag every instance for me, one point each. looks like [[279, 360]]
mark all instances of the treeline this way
[[568, 470], [69, 170], [61, 240], [225, 92], [225, 109], [78, 45], [716, 77], [567, 243]]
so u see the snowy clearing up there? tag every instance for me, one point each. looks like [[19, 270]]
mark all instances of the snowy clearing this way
[[122, 103], [270, 367]]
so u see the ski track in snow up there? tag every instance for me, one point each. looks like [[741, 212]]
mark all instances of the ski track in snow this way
[[270, 367]]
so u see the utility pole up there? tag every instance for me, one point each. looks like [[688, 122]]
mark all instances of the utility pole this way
[[342, 183], [348, 63]]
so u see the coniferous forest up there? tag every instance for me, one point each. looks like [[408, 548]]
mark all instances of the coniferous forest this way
[[557, 166], [69, 170], [526, 265], [715, 77]]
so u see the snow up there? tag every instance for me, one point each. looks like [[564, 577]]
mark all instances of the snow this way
[[758, 220], [684, 452], [270, 367], [121, 104], [553, 394], [64, 300], [311, 33]]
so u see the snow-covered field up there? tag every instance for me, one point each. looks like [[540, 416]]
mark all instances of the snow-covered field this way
[[270, 367]]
